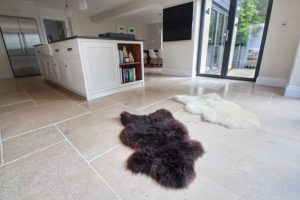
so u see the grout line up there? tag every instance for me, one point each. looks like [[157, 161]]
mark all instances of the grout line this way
[[27, 132], [237, 195], [102, 154], [237, 96], [10, 104], [89, 164], [46, 126], [89, 111], [22, 109], [7, 163], [156, 102]]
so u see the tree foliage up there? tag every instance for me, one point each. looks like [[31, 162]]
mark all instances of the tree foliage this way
[[252, 12]]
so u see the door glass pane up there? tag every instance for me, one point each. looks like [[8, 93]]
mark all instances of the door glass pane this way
[[30, 34], [247, 36], [216, 20]]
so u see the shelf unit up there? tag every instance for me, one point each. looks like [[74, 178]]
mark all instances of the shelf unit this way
[[131, 72]]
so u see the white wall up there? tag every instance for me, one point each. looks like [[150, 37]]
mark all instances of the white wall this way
[[179, 57], [293, 88], [281, 43], [80, 23]]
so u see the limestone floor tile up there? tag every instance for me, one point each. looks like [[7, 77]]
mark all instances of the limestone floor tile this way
[[279, 122], [46, 96], [96, 132], [25, 120], [8, 85], [72, 96], [30, 82], [131, 186], [12, 98], [97, 104], [255, 170], [28, 143], [212, 84], [253, 100], [168, 104], [248, 162], [260, 89], [285, 104], [16, 107], [140, 100], [54, 173], [240, 87]]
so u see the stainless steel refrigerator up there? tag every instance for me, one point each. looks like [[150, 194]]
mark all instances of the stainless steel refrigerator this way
[[20, 34]]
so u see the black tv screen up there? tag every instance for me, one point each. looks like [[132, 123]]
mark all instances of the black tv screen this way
[[177, 22]]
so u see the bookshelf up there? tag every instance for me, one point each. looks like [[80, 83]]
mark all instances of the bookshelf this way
[[131, 71]]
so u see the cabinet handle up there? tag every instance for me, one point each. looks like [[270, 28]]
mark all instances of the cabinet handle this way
[[69, 49], [57, 50], [66, 65]]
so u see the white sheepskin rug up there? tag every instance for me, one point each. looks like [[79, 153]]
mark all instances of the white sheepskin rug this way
[[215, 109]]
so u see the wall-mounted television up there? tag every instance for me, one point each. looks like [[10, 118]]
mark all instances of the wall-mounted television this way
[[177, 22]]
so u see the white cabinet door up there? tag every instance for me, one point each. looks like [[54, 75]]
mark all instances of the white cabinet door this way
[[49, 69], [76, 75], [64, 71], [55, 71], [100, 65], [41, 65]]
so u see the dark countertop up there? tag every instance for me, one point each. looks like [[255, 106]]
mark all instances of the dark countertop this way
[[92, 37]]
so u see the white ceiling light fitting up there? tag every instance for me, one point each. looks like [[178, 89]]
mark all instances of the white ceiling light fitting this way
[[68, 11], [82, 4]]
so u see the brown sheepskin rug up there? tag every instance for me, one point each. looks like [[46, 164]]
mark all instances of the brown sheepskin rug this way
[[163, 149]]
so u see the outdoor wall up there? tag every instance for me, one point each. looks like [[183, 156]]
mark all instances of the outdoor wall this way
[[293, 88], [80, 23], [180, 57], [154, 32], [281, 43]]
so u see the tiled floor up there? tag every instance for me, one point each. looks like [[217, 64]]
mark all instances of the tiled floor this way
[[55, 145]]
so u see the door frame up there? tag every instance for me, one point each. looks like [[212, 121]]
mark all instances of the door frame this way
[[65, 20], [226, 56]]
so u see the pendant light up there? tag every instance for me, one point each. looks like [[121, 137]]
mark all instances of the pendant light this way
[[82, 4], [68, 12]]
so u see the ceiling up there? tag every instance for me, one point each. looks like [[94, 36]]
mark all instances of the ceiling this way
[[150, 15]]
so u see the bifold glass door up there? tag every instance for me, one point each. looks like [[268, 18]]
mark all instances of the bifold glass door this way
[[233, 32]]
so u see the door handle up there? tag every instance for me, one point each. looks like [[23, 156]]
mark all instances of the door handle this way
[[69, 49], [226, 35], [57, 50]]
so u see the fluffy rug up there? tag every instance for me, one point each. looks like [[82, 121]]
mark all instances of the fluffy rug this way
[[163, 149], [214, 109]]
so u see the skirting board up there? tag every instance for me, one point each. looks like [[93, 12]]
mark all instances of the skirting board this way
[[269, 81], [177, 72], [292, 92]]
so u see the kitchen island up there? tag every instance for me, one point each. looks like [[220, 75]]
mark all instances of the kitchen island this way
[[91, 66]]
